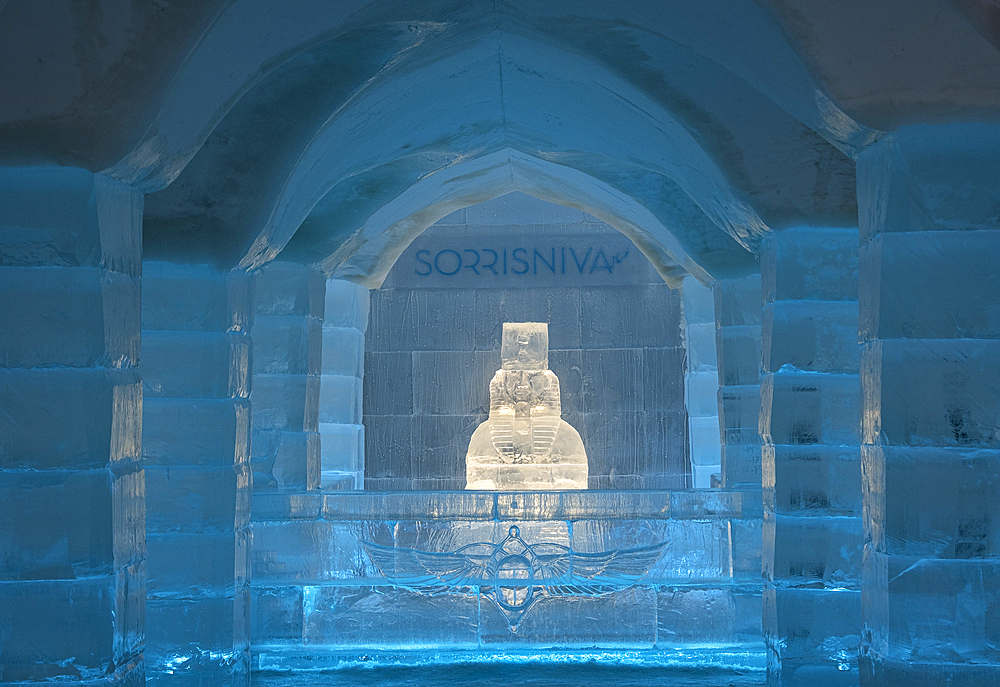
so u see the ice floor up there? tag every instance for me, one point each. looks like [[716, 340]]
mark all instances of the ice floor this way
[[493, 675]]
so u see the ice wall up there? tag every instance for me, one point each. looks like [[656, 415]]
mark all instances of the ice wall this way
[[342, 435], [434, 343], [809, 422], [737, 322], [287, 363], [701, 385], [930, 365], [197, 373], [72, 532]]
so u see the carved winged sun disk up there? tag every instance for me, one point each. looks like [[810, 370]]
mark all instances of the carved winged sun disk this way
[[513, 574]]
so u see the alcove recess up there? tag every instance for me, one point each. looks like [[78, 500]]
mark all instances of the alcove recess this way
[[433, 343]]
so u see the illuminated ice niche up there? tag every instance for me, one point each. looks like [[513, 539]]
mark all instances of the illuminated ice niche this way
[[525, 443]]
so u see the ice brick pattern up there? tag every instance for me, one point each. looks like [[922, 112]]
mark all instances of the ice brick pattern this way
[[197, 357], [72, 507], [342, 435], [288, 357], [701, 385], [809, 424], [929, 406], [738, 347]]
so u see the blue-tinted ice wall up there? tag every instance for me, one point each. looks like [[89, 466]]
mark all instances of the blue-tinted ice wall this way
[[930, 445], [702, 385], [288, 352], [433, 343], [738, 347], [196, 445], [72, 506], [342, 434], [809, 424]]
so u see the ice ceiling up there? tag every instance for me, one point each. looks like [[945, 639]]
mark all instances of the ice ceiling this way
[[333, 133]]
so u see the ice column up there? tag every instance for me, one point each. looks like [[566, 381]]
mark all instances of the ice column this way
[[288, 352], [72, 532], [701, 384], [930, 384], [810, 425], [737, 336], [196, 358], [342, 437]]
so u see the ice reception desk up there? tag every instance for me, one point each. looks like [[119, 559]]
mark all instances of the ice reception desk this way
[[320, 595]]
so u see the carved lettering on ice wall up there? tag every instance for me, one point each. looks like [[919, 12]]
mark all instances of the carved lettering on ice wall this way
[[520, 261]]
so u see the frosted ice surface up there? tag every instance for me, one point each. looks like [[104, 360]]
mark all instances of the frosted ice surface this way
[[525, 443], [387, 617], [287, 344], [343, 351], [814, 264], [739, 355], [340, 399], [703, 395], [806, 408], [701, 352], [811, 623], [525, 346], [346, 305], [341, 446], [740, 406], [818, 336]]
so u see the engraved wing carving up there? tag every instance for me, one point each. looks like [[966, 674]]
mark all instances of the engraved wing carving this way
[[597, 573], [554, 565], [513, 574], [425, 570]]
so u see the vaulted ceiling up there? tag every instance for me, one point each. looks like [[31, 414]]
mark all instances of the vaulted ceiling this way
[[332, 133]]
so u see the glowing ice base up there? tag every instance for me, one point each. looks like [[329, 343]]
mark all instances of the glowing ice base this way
[[525, 444]]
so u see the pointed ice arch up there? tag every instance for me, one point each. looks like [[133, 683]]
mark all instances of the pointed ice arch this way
[[673, 247], [622, 135]]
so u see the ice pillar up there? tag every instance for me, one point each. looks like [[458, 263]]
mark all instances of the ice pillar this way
[[701, 383], [196, 358], [737, 332], [288, 351], [72, 533], [809, 423], [342, 437], [930, 381]]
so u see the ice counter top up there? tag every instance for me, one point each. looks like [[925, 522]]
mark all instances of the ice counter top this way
[[506, 505]]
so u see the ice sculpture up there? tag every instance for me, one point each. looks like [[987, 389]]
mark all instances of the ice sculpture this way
[[514, 574], [525, 443]]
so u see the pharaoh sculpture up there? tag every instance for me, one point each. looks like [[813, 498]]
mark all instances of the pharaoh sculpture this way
[[525, 443]]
